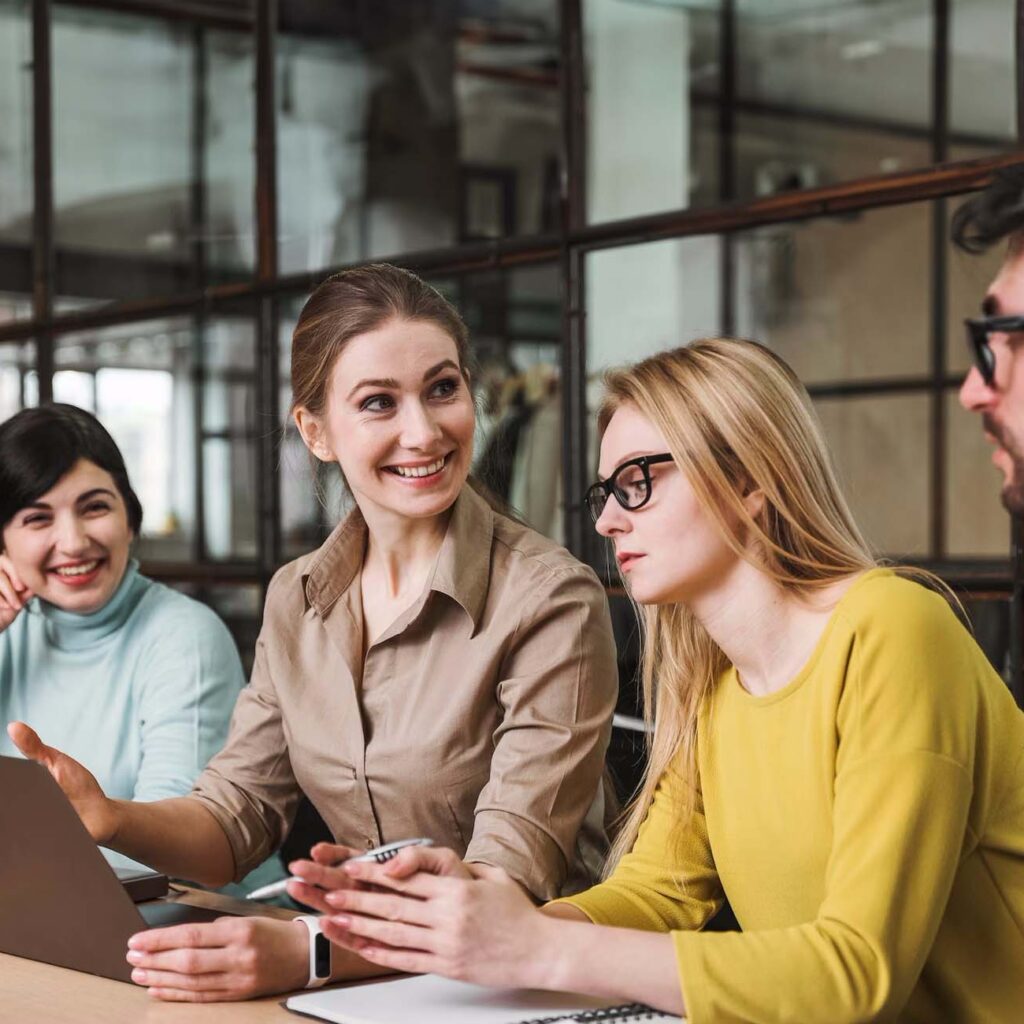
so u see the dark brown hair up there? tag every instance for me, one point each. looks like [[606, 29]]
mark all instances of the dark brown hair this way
[[993, 214], [354, 302], [38, 446]]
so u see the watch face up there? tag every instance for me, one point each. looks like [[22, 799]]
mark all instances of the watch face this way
[[322, 957]]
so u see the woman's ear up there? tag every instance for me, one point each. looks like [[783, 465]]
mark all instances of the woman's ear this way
[[311, 431], [753, 502]]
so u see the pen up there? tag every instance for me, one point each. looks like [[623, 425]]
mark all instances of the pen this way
[[380, 855]]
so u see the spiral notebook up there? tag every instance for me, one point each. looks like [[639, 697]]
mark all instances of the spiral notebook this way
[[429, 999]]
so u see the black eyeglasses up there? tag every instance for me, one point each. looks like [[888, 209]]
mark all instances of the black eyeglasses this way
[[978, 331], [630, 483]]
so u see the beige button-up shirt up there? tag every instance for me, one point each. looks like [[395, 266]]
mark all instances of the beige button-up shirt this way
[[480, 718]]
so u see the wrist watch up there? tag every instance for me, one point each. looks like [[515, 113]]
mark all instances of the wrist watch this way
[[319, 952]]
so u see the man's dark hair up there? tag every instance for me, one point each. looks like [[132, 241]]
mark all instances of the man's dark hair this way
[[992, 215], [38, 446]]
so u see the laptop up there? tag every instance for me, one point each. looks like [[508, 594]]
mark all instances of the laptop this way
[[60, 901]]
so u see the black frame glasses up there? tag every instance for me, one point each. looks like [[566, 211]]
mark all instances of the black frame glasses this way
[[978, 330], [598, 494]]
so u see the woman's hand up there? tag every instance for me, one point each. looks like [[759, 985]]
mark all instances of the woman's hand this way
[[97, 811], [327, 871], [485, 929], [479, 926], [14, 594], [227, 959], [321, 874]]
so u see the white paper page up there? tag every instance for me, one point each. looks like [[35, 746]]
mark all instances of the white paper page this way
[[429, 999]]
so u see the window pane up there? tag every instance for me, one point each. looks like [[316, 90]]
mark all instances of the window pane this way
[[15, 306], [977, 525], [779, 152], [514, 318], [982, 87], [15, 149], [75, 387], [229, 483], [404, 126], [121, 170], [649, 146], [229, 436], [862, 63], [228, 233], [880, 446], [137, 379], [128, 220], [840, 299], [642, 299], [17, 362]]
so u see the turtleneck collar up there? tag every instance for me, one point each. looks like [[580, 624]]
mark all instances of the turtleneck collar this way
[[73, 631]]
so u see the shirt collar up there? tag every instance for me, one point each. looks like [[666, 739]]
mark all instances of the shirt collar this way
[[463, 570], [463, 564]]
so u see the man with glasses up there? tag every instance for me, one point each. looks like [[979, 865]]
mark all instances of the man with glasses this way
[[994, 386]]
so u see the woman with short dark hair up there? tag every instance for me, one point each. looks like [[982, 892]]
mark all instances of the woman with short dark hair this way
[[133, 679]]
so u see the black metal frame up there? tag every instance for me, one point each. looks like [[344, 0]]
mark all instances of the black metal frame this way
[[263, 293]]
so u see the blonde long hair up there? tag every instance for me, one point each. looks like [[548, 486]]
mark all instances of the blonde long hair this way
[[735, 418]]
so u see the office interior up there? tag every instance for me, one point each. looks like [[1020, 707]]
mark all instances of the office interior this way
[[588, 180]]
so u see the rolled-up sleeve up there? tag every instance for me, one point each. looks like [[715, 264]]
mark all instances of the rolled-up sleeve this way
[[557, 690], [249, 787]]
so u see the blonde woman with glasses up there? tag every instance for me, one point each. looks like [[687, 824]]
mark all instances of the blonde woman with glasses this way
[[832, 751]]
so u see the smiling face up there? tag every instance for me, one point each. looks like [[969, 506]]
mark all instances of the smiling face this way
[[671, 549], [1001, 404], [71, 545], [399, 420]]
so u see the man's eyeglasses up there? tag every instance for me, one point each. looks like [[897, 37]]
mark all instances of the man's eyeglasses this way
[[978, 331], [629, 483]]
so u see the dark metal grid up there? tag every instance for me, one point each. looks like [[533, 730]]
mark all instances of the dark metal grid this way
[[939, 276], [267, 355], [570, 245], [727, 159], [197, 219], [850, 197], [42, 201], [1017, 525], [196, 13], [574, 215]]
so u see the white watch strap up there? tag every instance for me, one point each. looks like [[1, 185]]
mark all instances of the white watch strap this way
[[313, 926]]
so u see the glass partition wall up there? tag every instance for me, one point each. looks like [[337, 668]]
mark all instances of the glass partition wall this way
[[589, 181]]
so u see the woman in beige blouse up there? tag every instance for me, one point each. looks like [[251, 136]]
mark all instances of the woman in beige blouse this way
[[434, 669]]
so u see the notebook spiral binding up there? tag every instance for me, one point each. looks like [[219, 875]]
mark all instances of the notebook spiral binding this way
[[618, 1014]]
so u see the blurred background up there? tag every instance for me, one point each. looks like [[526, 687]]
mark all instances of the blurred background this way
[[588, 180]]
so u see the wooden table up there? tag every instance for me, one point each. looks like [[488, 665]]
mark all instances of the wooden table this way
[[37, 993]]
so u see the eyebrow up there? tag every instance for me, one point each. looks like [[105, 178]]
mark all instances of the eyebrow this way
[[84, 496], [622, 461], [392, 384]]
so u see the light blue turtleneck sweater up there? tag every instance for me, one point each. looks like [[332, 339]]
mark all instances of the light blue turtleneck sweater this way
[[140, 691]]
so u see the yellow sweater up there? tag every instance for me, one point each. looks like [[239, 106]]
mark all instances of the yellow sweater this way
[[866, 822]]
